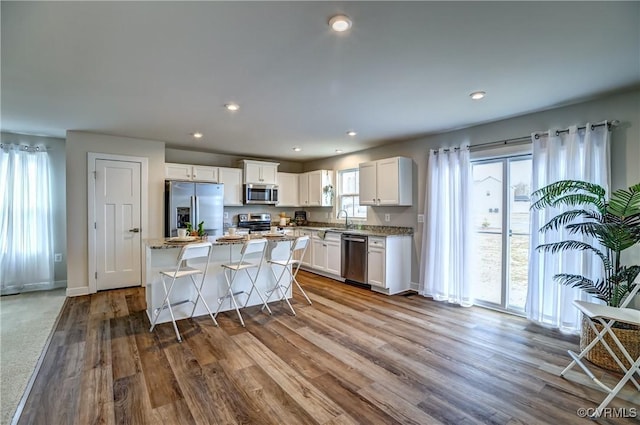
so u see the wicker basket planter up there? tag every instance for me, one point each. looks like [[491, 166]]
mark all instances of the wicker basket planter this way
[[599, 356]]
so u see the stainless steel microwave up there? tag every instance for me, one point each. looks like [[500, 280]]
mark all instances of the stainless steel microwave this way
[[266, 194]]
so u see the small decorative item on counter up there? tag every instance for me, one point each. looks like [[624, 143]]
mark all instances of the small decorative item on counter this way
[[196, 232]]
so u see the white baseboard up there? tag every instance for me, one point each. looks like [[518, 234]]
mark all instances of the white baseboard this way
[[415, 286], [76, 292], [32, 287]]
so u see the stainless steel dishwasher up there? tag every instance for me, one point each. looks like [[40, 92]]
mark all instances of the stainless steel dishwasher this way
[[354, 258]]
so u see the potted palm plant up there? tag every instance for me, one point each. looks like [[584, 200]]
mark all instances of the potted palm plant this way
[[614, 226]]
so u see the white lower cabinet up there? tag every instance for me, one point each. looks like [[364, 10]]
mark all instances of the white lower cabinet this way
[[326, 253], [308, 255], [319, 261], [389, 264], [376, 261], [334, 254], [388, 259]]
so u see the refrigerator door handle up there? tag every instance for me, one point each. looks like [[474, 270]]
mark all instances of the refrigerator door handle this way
[[192, 215], [196, 216]]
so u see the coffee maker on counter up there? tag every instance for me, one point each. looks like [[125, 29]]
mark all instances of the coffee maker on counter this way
[[300, 218]]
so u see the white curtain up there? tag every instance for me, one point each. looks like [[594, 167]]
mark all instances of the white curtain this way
[[576, 155], [25, 218], [444, 271]]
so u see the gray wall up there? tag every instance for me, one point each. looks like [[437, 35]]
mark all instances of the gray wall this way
[[78, 145], [56, 151], [625, 153]]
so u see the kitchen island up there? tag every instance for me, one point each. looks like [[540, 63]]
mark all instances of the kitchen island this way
[[162, 254]]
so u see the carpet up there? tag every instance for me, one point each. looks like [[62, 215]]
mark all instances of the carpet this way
[[26, 321]]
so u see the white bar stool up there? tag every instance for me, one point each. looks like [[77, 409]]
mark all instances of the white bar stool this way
[[188, 252], [289, 266], [252, 248]]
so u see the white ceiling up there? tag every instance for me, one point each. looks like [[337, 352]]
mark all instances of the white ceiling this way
[[162, 70]]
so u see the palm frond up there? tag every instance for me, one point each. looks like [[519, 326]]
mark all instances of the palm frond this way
[[622, 283], [547, 195], [616, 237], [573, 199], [625, 202], [555, 247], [567, 217], [599, 288]]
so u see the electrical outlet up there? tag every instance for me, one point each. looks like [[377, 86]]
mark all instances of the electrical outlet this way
[[226, 216], [57, 258], [387, 217], [420, 218], [308, 215]]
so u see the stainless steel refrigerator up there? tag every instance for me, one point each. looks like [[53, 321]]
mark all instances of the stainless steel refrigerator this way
[[188, 202]]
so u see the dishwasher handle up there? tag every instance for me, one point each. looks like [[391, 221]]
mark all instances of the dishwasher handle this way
[[354, 239]]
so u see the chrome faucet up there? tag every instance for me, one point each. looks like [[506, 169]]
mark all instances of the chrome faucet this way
[[346, 218]]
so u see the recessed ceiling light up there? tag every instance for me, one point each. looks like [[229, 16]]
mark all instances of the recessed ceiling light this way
[[351, 133], [197, 135], [338, 150], [477, 95], [232, 106], [340, 23], [297, 148]]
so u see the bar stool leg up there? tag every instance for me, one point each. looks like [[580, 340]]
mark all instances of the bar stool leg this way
[[279, 287], [229, 279], [627, 376], [253, 283], [200, 297], [166, 301]]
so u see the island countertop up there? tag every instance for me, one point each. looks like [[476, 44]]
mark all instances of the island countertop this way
[[167, 243]]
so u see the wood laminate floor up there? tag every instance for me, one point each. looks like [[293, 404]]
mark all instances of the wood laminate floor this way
[[354, 356]]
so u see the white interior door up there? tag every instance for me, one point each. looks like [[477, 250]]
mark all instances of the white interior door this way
[[117, 211]]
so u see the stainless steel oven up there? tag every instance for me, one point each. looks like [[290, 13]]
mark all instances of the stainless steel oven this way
[[354, 258], [255, 222], [265, 194]]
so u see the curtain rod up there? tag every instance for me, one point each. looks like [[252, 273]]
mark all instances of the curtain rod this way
[[527, 139], [23, 147]]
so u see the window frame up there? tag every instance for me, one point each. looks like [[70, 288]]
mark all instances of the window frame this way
[[340, 195]]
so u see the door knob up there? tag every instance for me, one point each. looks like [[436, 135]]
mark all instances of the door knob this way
[[134, 230]]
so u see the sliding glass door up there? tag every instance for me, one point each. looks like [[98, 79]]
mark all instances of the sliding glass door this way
[[500, 213]]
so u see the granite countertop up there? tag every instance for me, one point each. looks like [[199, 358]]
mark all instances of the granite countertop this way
[[167, 243], [365, 230]]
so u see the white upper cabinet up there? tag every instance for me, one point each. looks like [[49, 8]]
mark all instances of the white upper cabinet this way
[[316, 188], [260, 172], [386, 182], [303, 189], [201, 173], [232, 180], [288, 192]]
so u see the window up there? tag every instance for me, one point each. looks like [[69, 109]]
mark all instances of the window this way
[[349, 198], [25, 218]]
